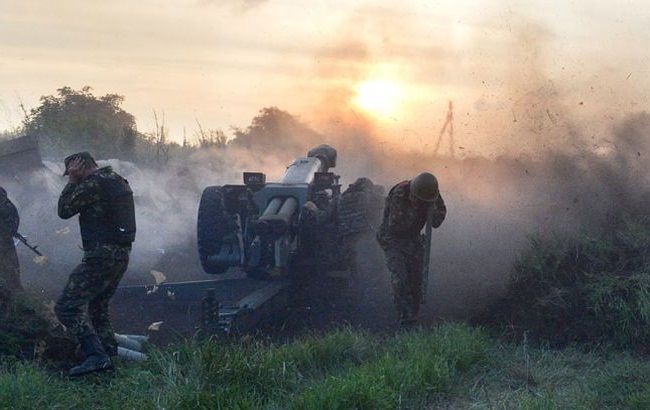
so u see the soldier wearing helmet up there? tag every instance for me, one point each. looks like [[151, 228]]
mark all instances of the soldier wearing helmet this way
[[405, 214]]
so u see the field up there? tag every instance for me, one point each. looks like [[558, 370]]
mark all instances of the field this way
[[450, 366]]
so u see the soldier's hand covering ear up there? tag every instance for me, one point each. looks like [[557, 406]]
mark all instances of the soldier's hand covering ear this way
[[75, 170]]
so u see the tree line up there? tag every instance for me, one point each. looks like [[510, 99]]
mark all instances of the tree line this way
[[77, 120]]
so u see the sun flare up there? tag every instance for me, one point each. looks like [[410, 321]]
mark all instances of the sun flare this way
[[378, 97]]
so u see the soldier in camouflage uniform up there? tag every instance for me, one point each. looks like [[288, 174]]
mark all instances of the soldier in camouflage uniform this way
[[358, 215], [405, 214], [104, 202], [9, 267]]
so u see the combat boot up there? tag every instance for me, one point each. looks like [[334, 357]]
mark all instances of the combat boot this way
[[96, 358]]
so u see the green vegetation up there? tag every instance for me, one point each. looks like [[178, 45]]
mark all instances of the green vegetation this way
[[526, 377], [23, 325], [452, 366], [343, 369], [27, 330], [592, 289], [77, 120]]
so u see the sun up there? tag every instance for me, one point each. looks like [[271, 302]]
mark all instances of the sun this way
[[378, 97]]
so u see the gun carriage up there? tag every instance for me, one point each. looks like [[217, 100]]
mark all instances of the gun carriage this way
[[258, 238]]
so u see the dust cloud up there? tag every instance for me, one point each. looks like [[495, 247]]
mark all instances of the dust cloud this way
[[493, 206], [166, 206], [538, 153], [536, 157]]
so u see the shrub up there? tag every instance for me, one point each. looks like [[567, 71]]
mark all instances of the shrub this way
[[593, 289]]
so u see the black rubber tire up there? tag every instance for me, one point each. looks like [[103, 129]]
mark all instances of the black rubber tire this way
[[210, 228]]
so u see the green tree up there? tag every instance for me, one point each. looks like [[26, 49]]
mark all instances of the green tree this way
[[75, 120], [276, 130]]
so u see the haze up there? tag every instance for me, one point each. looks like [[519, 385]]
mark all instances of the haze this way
[[510, 67]]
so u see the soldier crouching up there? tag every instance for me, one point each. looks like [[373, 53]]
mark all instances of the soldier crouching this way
[[104, 202], [405, 214]]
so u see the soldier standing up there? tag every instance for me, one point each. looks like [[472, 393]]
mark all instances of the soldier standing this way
[[104, 202], [405, 214], [9, 267]]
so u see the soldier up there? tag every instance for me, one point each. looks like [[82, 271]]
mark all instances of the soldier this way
[[317, 231], [358, 216], [405, 215], [104, 202], [9, 267]]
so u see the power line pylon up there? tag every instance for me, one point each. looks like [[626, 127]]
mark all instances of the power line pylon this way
[[447, 126]]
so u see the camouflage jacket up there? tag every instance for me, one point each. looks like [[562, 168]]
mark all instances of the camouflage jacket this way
[[9, 219], [359, 209], [88, 196], [404, 220]]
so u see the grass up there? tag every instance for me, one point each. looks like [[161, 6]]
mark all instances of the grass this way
[[340, 370], [450, 366], [589, 289], [520, 376]]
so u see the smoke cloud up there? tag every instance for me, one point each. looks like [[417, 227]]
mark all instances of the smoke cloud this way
[[493, 206], [545, 155], [545, 160]]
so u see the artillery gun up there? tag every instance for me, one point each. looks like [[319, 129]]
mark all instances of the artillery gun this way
[[260, 239], [260, 226]]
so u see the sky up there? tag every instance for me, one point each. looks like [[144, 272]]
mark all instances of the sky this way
[[511, 67]]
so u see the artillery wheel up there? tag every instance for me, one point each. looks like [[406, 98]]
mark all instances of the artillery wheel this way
[[210, 230]]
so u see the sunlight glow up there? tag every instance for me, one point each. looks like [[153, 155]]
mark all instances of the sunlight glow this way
[[378, 97]]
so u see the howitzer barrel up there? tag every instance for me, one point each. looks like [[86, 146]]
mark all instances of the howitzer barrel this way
[[273, 207], [302, 171], [276, 224], [288, 208]]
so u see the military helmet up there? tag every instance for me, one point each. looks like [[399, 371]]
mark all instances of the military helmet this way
[[424, 187]]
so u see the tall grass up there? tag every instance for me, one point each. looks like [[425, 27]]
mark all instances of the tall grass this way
[[521, 376], [343, 369], [593, 289], [452, 366]]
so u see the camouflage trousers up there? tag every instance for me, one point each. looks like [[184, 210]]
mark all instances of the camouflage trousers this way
[[83, 306], [9, 269], [404, 261]]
